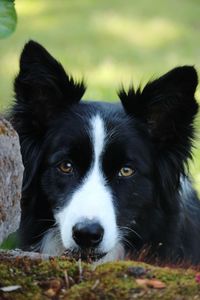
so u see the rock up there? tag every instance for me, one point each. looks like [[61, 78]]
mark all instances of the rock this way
[[11, 173]]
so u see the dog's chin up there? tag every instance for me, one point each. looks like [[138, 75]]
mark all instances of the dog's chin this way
[[87, 255]]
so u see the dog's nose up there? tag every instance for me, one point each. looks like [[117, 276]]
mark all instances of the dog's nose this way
[[87, 234]]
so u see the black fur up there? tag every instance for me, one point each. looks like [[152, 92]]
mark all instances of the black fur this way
[[152, 131]]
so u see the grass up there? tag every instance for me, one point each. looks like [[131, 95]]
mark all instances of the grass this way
[[63, 278], [107, 42]]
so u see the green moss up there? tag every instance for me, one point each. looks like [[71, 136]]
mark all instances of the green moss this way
[[64, 279]]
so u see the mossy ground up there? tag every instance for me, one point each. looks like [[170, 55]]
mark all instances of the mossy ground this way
[[62, 278]]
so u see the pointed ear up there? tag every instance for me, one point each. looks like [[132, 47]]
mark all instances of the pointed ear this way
[[42, 87], [43, 90], [167, 106]]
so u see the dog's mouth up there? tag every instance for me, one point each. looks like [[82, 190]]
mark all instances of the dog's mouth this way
[[87, 255]]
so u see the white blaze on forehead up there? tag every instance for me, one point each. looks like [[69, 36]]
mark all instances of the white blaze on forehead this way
[[92, 199], [98, 138]]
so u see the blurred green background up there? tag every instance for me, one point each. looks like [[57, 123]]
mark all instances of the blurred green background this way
[[108, 42]]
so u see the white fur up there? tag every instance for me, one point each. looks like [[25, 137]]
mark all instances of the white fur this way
[[92, 200], [186, 189], [117, 253], [51, 243]]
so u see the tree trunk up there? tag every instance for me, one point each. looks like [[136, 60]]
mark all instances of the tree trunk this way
[[11, 172]]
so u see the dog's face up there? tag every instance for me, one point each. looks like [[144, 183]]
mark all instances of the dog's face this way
[[103, 174], [96, 166]]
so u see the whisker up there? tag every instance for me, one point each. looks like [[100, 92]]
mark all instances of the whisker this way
[[128, 243], [44, 232], [131, 230], [49, 235]]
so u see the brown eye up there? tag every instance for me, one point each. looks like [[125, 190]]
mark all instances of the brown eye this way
[[65, 167], [126, 172]]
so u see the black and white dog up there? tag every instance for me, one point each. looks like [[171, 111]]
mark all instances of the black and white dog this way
[[106, 179]]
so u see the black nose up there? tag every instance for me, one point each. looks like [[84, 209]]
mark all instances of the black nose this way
[[87, 234]]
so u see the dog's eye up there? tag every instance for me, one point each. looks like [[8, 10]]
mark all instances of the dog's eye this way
[[65, 167], [126, 172]]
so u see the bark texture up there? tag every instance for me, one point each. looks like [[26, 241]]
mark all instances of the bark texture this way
[[11, 173]]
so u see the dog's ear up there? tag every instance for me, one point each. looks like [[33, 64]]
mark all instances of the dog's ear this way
[[167, 106], [42, 91], [42, 87]]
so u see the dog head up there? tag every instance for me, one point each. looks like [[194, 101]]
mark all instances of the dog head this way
[[99, 175]]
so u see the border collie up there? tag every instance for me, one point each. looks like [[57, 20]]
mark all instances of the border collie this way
[[106, 179]]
